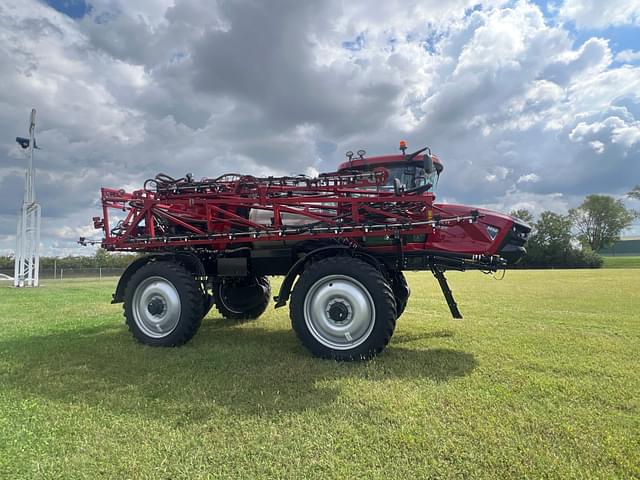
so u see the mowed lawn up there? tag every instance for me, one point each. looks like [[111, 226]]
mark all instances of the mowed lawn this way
[[629, 261], [541, 379]]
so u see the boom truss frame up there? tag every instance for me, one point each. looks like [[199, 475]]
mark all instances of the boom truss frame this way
[[219, 213]]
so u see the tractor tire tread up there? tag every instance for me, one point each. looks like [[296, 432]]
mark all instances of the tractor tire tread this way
[[381, 292], [190, 303]]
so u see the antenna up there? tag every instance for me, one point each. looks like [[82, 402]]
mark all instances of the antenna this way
[[27, 259]]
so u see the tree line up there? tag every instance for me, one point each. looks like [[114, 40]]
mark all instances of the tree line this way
[[573, 240], [101, 258]]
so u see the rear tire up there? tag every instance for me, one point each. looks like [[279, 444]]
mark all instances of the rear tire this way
[[401, 290], [343, 308], [163, 304], [242, 299], [207, 304]]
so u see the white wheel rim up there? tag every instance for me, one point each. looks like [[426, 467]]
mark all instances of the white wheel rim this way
[[156, 307], [339, 312]]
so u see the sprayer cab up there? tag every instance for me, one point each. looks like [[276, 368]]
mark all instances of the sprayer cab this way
[[406, 172]]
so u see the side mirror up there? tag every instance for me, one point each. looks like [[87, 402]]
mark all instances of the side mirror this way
[[428, 164], [398, 187]]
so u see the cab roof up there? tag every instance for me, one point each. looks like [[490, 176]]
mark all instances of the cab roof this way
[[387, 160]]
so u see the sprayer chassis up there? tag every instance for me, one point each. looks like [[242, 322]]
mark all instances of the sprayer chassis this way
[[345, 237]]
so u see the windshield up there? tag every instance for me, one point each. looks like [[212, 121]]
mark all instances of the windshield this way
[[411, 176]]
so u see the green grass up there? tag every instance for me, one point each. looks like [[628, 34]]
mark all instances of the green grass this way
[[541, 379], [622, 262]]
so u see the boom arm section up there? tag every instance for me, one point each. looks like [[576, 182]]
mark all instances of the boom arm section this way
[[233, 210]]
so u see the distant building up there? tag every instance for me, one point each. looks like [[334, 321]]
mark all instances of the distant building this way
[[624, 246]]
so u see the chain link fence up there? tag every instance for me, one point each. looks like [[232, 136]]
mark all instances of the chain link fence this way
[[73, 272]]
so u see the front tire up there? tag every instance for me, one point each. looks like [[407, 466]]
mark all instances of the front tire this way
[[343, 308], [163, 304]]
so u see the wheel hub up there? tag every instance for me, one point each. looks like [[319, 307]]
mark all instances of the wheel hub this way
[[156, 306], [339, 310]]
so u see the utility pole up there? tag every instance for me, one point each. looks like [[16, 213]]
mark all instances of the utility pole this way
[[27, 260]]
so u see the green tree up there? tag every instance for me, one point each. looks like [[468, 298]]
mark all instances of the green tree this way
[[552, 234], [102, 258], [523, 214], [635, 193], [6, 262], [550, 245], [599, 220]]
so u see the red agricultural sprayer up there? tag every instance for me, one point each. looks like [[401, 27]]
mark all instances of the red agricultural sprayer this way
[[341, 240]]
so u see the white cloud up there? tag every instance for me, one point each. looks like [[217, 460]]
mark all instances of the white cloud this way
[[139, 87], [311, 172], [601, 14], [529, 178], [615, 129], [534, 203], [628, 56], [597, 146]]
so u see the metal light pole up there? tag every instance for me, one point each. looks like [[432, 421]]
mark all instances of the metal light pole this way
[[27, 261]]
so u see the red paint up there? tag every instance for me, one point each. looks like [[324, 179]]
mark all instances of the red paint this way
[[215, 215], [384, 160]]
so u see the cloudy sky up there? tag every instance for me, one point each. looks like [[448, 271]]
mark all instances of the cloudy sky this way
[[529, 104]]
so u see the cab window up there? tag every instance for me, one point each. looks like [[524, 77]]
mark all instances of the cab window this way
[[411, 176]]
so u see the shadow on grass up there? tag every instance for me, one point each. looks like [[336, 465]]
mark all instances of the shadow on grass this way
[[405, 338], [246, 369]]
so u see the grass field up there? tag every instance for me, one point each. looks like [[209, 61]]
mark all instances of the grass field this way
[[621, 262], [541, 379]]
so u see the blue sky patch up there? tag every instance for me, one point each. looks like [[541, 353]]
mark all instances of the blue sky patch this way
[[476, 8], [72, 8], [355, 45], [620, 38], [431, 41]]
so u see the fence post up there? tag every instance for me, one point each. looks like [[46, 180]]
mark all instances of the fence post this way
[[61, 271], [100, 272]]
